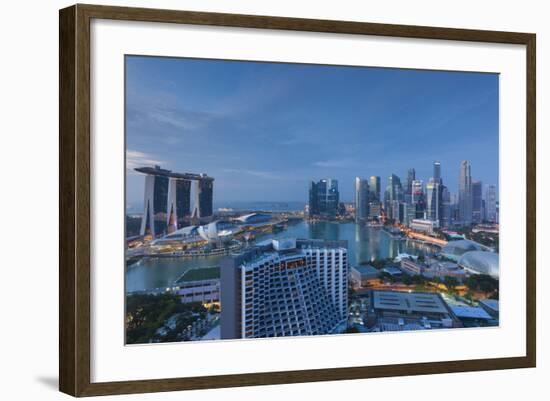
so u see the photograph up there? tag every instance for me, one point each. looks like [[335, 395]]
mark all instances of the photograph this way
[[270, 199]]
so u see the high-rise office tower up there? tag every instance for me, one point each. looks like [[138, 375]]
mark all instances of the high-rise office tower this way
[[477, 206], [394, 211], [465, 193], [394, 193], [411, 176], [375, 210], [313, 205], [374, 189], [361, 199], [491, 203], [446, 210], [407, 213], [439, 190], [286, 288], [432, 200], [324, 197], [437, 172], [395, 188], [418, 198]]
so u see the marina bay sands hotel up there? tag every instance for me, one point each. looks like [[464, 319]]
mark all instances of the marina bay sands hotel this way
[[175, 196]]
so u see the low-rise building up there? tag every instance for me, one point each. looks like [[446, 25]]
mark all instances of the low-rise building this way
[[402, 311], [424, 226], [490, 306], [443, 269], [393, 271], [412, 267], [363, 275], [199, 285], [472, 316], [487, 228]]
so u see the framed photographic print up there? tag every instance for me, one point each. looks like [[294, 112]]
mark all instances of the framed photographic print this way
[[250, 200]]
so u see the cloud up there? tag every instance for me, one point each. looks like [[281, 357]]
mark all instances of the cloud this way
[[136, 158], [256, 173]]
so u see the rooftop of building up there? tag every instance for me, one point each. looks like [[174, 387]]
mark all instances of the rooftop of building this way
[[287, 247], [366, 269], [254, 216], [392, 270], [199, 274], [156, 170], [492, 304], [402, 256], [470, 312], [422, 302], [481, 262], [463, 245]]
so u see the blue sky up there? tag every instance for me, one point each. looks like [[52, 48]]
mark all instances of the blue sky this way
[[264, 130]]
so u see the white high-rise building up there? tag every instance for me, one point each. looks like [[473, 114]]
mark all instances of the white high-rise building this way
[[286, 288]]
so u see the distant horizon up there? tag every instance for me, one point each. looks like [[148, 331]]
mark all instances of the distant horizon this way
[[265, 130]]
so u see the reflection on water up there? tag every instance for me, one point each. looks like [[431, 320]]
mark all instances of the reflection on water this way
[[364, 244]]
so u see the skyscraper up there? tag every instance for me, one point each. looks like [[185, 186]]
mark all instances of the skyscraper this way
[[179, 203], [394, 193], [437, 172], [477, 209], [324, 197], [203, 199], [167, 198], [286, 288], [374, 188], [491, 203], [411, 176], [361, 199], [432, 200], [418, 198], [313, 206], [446, 210], [465, 193]]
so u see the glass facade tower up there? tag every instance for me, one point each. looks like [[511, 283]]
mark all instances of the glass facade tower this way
[[361, 199], [465, 193]]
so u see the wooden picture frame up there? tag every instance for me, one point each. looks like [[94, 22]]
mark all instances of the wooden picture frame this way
[[74, 203]]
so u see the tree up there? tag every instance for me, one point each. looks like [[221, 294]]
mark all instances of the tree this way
[[407, 280], [146, 313], [450, 282], [483, 283], [384, 276], [379, 263]]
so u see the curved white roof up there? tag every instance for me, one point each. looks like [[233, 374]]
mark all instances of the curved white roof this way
[[455, 249], [480, 262], [214, 231]]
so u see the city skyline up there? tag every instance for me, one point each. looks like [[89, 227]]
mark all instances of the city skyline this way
[[281, 111], [273, 200]]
